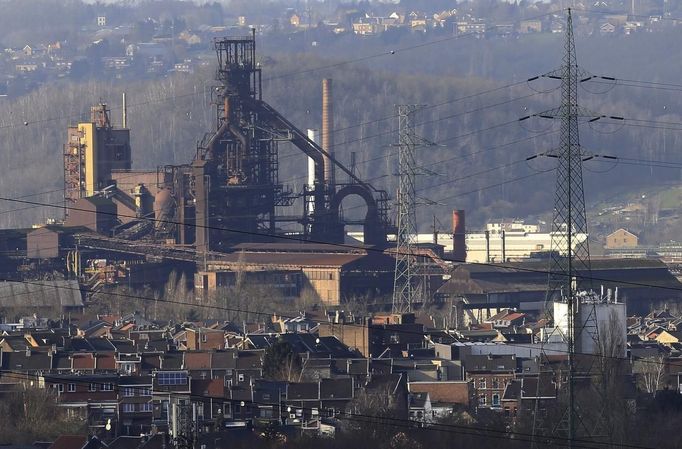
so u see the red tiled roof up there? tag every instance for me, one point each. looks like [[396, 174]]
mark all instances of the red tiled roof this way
[[106, 361], [514, 316], [83, 361], [197, 360]]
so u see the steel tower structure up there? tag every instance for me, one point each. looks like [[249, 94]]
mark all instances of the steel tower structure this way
[[570, 269], [404, 284]]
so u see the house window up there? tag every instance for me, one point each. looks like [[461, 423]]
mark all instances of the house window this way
[[145, 391], [481, 382], [266, 412], [92, 387], [71, 388], [128, 408], [146, 407], [204, 338], [331, 412], [107, 387], [129, 392], [496, 400], [60, 388], [172, 378], [482, 401], [496, 384]]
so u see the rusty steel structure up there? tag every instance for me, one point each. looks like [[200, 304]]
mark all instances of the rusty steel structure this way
[[93, 150], [230, 192]]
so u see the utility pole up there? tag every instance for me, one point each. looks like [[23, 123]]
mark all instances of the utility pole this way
[[404, 288]]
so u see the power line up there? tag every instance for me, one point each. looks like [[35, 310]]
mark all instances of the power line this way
[[392, 421], [393, 51], [428, 122], [269, 314], [283, 75]]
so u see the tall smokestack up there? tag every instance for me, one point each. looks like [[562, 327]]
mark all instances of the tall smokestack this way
[[124, 112], [328, 130], [459, 249], [313, 135], [504, 246], [487, 246]]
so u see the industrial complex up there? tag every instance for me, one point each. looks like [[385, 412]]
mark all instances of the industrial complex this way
[[225, 216], [278, 323]]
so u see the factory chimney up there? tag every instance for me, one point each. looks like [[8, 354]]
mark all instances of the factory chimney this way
[[314, 136], [504, 245], [328, 130], [124, 112], [459, 249]]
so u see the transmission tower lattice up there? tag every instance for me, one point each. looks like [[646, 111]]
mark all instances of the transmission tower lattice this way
[[404, 284], [570, 269], [570, 248]]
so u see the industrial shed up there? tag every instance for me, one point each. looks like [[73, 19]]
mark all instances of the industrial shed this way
[[45, 298], [488, 288]]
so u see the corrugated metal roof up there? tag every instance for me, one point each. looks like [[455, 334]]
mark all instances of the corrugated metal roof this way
[[41, 294]]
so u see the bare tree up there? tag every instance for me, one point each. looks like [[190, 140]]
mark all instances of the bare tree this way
[[650, 372], [33, 414]]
